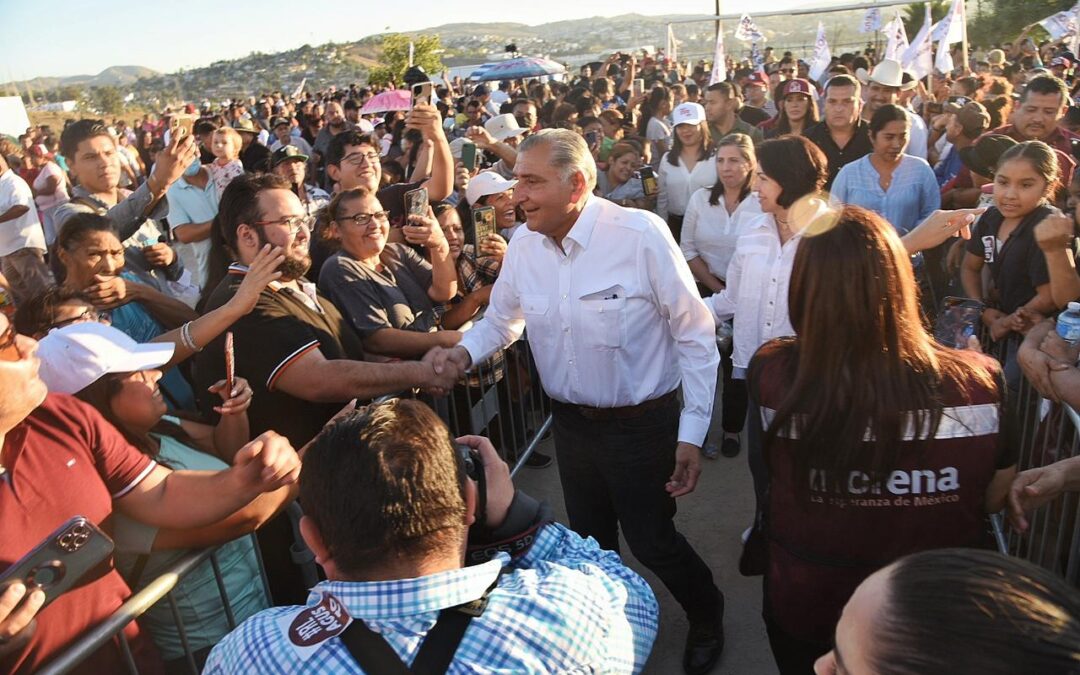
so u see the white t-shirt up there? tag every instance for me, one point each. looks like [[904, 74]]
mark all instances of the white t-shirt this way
[[55, 199], [24, 231], [658, 133]]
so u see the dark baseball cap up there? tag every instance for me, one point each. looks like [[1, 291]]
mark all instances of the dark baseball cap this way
[[286, 153], [982, 156]]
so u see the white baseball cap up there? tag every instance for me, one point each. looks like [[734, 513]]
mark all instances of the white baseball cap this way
[[688, 113], [77, 355], [486, 183], [364, 126], [503, 127], [456, 145]]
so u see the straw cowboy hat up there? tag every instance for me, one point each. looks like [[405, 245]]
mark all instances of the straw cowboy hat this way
[[888, 73]]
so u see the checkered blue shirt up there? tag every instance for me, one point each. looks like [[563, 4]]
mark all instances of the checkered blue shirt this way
[[567, 606]]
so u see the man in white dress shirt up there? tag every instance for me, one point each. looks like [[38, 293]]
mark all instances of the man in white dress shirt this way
[[615, 325]]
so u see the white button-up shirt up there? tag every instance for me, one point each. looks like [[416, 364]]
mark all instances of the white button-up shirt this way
[[756, 293], [711, 233], [677, 183], [614, 321]]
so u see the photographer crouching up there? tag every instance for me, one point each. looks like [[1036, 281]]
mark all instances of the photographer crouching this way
[[433, 559]]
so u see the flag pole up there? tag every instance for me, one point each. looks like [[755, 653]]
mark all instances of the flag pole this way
[[929, 19], [964, 42]]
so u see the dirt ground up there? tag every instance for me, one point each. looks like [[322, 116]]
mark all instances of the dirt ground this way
[[712, 519]]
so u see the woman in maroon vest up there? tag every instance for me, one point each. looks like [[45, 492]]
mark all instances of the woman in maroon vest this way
[[878, 442]]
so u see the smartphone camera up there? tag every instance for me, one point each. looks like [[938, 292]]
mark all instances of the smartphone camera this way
[[74, 537]]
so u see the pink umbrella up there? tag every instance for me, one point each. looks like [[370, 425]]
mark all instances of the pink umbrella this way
[[395, 99]]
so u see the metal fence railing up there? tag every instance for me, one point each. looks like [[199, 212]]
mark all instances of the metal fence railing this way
[[160, 589], [1047, 432], [502, 399]]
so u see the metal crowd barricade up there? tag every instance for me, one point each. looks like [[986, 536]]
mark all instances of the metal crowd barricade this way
[[160, 589], [1046, 432], [502, 399]]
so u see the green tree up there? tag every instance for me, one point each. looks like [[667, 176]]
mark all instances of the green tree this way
[[108, 99], [394, 57]]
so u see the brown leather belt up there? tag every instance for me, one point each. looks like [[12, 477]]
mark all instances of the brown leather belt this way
[[623, 413]]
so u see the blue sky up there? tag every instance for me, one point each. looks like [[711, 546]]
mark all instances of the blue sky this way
[[63, 37]]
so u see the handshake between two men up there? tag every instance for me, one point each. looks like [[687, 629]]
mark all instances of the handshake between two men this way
[[450, 365]]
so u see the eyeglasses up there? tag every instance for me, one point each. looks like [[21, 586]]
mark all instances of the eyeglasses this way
[[9, 350], [88, 315], [358, 158], [365, 219], [294, 223]]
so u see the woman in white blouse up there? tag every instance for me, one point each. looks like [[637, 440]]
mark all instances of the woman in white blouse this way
[[687, 167], [715, 217], [788, 179], [790, 169]]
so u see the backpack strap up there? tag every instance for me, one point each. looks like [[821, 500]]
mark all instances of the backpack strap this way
[[377, 657]]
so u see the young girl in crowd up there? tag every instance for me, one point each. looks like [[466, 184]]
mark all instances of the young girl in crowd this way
[[226, 165], [1004, 240]]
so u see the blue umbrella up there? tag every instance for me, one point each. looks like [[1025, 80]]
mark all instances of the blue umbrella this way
[[517, 69]]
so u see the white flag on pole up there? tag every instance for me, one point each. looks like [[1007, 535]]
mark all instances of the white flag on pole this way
[[822, 55], [412, 49], [673, 45], [896, 38], [871, 20], [299, 89], [919, 56], [747, 30], [1063, 24], [951, 28], [943, 63], [719, 68]]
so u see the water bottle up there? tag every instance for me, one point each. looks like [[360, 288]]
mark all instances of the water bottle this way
[[1068, 324]]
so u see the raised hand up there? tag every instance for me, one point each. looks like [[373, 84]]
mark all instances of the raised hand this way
[[266, 464], [109, 292], [236, 401], [263, 270], [1031, 489]]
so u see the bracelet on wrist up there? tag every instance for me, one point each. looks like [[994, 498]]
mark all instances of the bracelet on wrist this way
[[187, 339]]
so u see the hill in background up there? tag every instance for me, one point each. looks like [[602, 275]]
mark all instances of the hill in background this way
[[572, 42]]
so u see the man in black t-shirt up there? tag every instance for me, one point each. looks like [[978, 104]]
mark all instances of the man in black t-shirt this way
[[841, 134], [299, 355], [301, 358]]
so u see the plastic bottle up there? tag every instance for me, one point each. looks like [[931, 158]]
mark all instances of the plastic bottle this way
[[1068, 323]]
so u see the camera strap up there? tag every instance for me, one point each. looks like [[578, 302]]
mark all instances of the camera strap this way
[[377, 657]]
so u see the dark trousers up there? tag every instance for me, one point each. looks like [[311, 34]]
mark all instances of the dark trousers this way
[[674, 222], [733, 398], [793, 655], [613, 474]]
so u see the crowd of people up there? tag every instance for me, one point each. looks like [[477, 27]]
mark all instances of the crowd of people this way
[[203, 307]]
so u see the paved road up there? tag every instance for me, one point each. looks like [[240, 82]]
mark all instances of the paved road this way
[[712, 518]]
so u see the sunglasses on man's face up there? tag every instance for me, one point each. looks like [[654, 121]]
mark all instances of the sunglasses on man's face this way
[[9, 350]]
